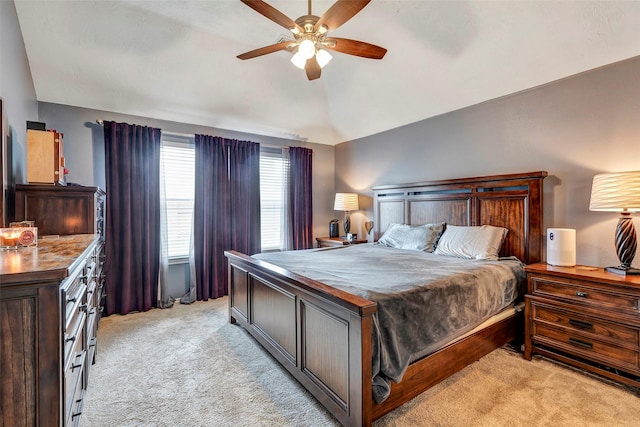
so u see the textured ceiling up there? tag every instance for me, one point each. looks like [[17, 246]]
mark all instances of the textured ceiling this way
[[176, 60]]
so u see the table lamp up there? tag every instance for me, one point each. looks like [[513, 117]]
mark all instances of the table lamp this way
[[619, 192], [346, 202]]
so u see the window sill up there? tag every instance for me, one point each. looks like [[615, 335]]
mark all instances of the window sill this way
[[179, 260]]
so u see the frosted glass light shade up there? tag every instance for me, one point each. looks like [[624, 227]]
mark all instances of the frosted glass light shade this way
[[616, 192], [299, 60], [307, 49], [346, 202], [323, 57]]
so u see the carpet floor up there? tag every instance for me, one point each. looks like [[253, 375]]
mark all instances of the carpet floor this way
[[188, 366]]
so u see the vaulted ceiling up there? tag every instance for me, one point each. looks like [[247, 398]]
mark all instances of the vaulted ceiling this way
[[176, 60]]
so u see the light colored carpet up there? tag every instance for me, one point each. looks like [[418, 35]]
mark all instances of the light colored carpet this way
[[187, 366]]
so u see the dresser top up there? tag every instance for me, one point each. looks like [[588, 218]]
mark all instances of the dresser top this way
[[52, 259], [584, 272]]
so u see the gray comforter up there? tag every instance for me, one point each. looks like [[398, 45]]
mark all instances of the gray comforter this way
[[424, 300]]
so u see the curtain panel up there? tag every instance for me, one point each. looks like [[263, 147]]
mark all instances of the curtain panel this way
[[300, 198], [226, 208], [132, 162]]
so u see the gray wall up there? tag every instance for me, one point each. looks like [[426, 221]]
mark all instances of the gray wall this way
[[17, 91], [573, 128]]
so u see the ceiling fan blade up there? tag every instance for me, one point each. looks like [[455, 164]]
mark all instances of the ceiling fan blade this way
[[265, 50], [341, 12], [272, 13], [312, 68], [355, 47]]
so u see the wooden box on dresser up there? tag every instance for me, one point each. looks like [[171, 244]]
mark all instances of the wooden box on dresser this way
[[585, 317], [48, 319]]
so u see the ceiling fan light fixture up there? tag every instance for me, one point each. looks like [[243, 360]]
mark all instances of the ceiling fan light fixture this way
[[323, 57], [307, 48], [299, 60]]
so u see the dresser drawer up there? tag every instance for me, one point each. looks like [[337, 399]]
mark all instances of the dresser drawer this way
[[585, 325], [585, 293], [609, 354], [73, 384], [73, 292], [74, 338]]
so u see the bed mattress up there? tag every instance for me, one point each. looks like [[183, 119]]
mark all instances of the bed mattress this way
[[424, 300]]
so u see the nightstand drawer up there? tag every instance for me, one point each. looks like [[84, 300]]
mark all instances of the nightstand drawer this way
[[584, 293], [586, 325], [609, 354]]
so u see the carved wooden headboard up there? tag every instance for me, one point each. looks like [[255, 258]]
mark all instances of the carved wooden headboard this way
[[512, 201]]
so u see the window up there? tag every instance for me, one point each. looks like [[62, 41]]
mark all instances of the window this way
[[177, 165], [271, 196]]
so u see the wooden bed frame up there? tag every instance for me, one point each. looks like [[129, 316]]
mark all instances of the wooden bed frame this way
[[322, 335]]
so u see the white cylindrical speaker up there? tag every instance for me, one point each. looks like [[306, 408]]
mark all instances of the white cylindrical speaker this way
[[561, 247]]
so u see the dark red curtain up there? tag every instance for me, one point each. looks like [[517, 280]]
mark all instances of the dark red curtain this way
[[132, 161], [300, 197], [226, 209]]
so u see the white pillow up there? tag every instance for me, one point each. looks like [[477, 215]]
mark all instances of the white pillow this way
[[473, 242], [417, 238]]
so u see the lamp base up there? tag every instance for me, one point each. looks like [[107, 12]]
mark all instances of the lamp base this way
[[623, 271]]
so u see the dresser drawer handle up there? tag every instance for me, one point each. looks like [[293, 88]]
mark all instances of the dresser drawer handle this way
[[70, 338], [71, 299], [77, 414], [73, 367], [581, 324], [580, 343], [582, 294]]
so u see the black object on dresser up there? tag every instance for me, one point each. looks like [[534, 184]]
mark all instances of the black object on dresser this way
[[49, 298], [585, 317]]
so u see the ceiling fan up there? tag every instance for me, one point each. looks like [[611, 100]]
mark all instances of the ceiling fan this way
[[310, 39]]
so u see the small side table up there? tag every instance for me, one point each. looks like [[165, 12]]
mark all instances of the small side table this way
[[327, 242], [585, 317]]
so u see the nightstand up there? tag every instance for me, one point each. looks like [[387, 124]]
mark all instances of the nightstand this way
[[585, 317], [327, 242]]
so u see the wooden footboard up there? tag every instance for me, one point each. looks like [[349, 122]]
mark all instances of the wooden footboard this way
[[321, 335]]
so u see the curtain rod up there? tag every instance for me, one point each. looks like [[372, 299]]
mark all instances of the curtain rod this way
[[185, 135], [192, 135]]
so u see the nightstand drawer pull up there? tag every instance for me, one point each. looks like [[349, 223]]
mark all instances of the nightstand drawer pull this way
[[580, 324], [580, 343], [582, 294]]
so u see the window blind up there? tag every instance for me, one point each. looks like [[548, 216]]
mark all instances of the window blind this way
[[271, 191], [177, 160]]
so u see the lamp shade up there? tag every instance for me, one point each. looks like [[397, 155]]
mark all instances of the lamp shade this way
[[616, 192], [346, 202]]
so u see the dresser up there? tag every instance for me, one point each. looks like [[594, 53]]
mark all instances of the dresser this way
[[585, 317], [49, 300], [61, 209]]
